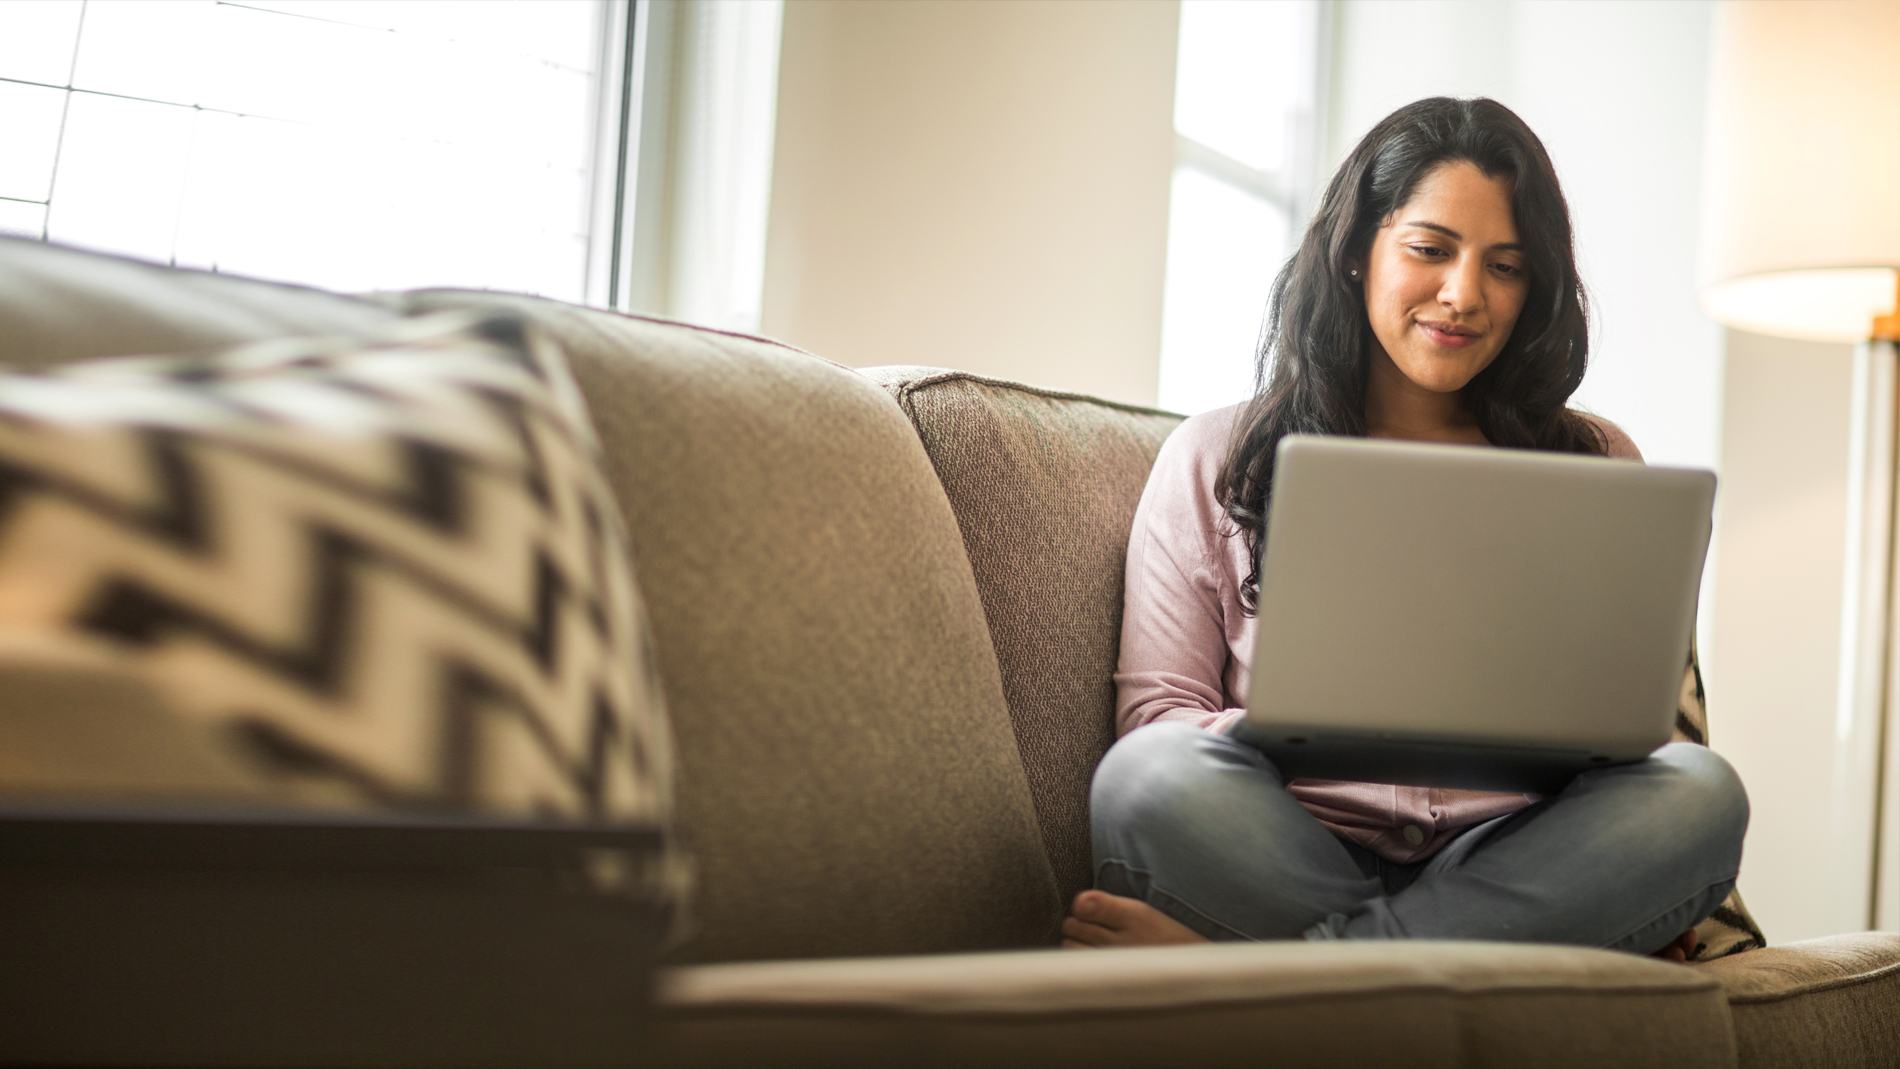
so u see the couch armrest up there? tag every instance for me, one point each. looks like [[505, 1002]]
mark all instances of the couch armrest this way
[[161, 904], [1831, 1002], [244, 938], [1283, 1004]]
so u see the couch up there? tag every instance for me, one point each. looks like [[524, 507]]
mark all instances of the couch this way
[[885, 605]]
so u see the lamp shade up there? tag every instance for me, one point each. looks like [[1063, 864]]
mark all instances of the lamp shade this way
[[1801, 169]]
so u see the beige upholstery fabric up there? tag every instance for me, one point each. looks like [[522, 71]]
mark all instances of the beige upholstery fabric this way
[[1044, 486], [60, 304], [1829, 1003], [848, 781], [1277, 1004]]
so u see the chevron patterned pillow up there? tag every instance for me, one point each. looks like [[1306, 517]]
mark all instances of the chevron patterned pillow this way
[[388, 575]]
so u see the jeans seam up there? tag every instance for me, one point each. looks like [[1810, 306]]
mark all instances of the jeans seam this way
[[1652, 923], [1156, 889]]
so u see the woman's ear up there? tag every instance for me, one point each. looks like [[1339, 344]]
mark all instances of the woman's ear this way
[[1356, 271]]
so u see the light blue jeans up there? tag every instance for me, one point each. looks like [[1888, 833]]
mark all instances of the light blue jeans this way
[[1201, 827]]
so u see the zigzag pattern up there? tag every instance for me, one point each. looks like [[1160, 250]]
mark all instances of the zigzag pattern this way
[[394, 572]]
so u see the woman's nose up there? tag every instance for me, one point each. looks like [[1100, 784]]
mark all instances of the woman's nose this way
[[1462, 290]]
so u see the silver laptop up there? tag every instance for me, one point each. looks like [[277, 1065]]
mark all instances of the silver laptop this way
[[1454, 616]]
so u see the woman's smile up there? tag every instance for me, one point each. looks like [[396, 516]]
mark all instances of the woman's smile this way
[[1450, 335]]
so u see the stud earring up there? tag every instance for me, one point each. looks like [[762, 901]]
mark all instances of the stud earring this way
[[1354, 273]]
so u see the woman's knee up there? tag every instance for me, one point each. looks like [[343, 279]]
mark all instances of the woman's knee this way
[[1703, 789], [1152, 771], [1143, 763]]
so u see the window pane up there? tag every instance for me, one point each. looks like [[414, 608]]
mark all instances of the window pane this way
[[1243, 72], [122, 171], [36, 39], [550, 30], [29, 128], [1224, 247], [354, 145], [156, 49], [19, 220]]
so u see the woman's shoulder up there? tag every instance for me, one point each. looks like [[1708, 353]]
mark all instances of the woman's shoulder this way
[[1617, 445], [1182, 483], [1205, 438]]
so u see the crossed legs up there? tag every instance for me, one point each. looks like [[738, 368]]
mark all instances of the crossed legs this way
[[1199, 828]]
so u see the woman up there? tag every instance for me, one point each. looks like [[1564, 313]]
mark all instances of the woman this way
[[1434, 298]]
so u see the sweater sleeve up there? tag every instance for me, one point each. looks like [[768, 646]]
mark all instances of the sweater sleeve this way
[[1616, 444], [1174, 641]]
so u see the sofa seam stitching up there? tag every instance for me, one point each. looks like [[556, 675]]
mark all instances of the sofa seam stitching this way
[[1817, 987], [952, 375], [639, 316]]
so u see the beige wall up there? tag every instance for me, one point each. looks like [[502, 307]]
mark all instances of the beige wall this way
[[1774, 644], [975, 184]]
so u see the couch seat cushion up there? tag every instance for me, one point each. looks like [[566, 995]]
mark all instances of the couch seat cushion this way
[[1281, 1004]]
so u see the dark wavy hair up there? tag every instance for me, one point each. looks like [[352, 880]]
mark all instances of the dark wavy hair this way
[[1310, 371]]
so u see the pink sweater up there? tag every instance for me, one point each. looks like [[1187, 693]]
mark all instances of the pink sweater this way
[[1187, 646]]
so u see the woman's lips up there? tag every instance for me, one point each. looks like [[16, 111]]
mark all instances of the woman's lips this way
[[1449, 335]]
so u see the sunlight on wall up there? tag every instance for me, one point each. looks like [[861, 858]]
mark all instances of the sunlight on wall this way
[[1223, 249]]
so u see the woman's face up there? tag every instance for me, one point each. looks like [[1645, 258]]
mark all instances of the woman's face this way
[[1444, 280]]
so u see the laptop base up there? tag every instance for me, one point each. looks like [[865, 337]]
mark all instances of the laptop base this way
[[1304, 753]]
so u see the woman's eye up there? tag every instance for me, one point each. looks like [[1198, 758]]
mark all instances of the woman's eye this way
[[1509, 270], [1427, 250]]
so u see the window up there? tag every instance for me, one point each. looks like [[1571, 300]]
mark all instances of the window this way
[[389, 144], [348, 143], [1246, 108]]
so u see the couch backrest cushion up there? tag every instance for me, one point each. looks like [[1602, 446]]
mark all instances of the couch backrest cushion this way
[[1044, 486], [63, 304], [848, 781]]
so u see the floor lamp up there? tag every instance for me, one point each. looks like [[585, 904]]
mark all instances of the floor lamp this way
[[1801, 239]]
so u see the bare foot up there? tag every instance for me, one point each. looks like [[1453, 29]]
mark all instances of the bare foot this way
[[1099, 919], [1679, 950]]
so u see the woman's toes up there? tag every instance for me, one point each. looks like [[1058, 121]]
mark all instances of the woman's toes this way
[[1089, 905], [1087, 934]]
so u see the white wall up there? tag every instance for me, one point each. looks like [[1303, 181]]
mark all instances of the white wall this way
[[975, 185], [1615, 89]]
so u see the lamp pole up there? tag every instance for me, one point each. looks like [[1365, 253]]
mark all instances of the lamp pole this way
[[1862, 845], [1869, 741]]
